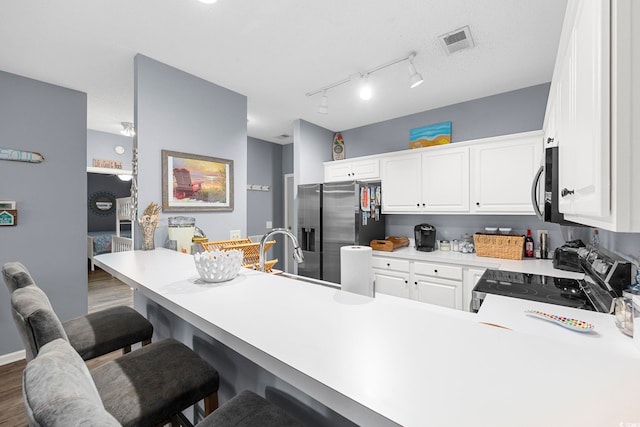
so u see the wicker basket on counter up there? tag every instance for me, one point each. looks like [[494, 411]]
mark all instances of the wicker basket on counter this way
[[505, 246]]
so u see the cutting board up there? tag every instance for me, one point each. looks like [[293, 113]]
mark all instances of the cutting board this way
[[389, 244]]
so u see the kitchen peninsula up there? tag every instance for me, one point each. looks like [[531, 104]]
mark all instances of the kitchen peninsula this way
[[386, 360]]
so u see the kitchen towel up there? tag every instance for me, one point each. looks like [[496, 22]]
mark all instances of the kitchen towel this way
[[356, 274]]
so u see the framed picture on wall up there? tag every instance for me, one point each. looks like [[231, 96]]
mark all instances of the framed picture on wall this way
[[191, 182]]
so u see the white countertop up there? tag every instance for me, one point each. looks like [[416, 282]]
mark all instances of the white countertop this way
[[510, 313], [526, 265], [387, 360]]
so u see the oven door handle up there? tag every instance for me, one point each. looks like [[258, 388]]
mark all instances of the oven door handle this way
[[534, 193]]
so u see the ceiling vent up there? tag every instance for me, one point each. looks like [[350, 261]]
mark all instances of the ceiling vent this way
[[457, 40], [282, 137]]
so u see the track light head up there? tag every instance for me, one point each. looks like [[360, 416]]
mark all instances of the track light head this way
[[365, 88], [415, 79], [323, 108]]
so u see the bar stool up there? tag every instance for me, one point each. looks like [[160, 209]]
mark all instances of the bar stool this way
[[91, 335], [59, 390]]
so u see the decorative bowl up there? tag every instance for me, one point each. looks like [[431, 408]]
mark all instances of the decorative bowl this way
[[218, 266]]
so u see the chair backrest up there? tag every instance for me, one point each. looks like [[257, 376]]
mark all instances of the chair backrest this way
[[37, 323], [16, 276], [58, 390]]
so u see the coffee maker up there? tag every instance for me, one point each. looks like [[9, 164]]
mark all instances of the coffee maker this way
[[425, 236]]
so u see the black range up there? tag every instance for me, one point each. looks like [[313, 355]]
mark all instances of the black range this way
[[606, 275]]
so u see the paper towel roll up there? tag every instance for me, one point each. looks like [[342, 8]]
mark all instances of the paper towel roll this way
[[356, 270]]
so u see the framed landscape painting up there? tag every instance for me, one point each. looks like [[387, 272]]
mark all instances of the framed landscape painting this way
[[191, 182], [427, 136]]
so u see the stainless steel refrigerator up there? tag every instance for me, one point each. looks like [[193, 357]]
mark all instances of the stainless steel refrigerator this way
[[333, 215]]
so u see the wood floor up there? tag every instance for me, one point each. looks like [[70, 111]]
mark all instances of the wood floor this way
[[104, 292]]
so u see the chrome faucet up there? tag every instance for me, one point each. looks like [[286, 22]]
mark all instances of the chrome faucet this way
[[297, 252]]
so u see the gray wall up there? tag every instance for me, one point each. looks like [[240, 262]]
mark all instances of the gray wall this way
[[511, 112], [177, 111], [264, 167], [50, 238], [101, 145], [311, 147]]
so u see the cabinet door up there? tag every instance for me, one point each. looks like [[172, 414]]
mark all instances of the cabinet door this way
[[366, 169], [502, 174], [469, 281], [445, 180], [401, 184], [337, 171], [391, 283], [584, 156], [445, 293]]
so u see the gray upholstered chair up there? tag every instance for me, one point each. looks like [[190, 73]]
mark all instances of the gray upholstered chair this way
[[92, 335], [247, 409], [59, 390]]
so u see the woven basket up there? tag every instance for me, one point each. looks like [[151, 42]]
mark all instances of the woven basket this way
[[506, 246]]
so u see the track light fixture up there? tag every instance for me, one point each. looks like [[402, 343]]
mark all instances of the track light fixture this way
[[415, 79], [323, 108], [128, 129]]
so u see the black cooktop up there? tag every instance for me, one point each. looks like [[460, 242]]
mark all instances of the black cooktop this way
[[534, 287]]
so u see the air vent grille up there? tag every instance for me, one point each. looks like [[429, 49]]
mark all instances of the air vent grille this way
[[457, 40]]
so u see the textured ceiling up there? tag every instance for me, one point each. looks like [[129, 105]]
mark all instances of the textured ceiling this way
[[276, 51]]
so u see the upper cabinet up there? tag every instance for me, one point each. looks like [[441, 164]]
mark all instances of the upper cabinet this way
[[492, 175], [436, 181], [348, 170], [502, 173], [581, 112], [590, 114]]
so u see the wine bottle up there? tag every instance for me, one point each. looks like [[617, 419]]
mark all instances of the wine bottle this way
[[528, 245]]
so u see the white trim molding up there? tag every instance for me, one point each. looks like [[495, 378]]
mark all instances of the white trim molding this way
[[5, 359]]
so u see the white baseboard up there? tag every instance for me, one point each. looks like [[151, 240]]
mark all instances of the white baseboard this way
[[5, 359]]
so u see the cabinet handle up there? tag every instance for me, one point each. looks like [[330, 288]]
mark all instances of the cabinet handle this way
[[424, 204], [388, 265], [566, 192], [435, 271], [550, 140], [406, 281], [417, 205], [477, 203]]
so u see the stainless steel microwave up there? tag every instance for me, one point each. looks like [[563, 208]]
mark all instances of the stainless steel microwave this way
[[547, 209]]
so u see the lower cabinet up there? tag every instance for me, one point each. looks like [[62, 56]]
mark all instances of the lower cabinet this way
[[442, 292], [421, 281]]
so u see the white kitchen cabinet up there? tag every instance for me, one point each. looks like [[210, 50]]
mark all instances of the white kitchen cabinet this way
[[445, 180], [346, 170], [430, 181], [470, 277], [391, 276], [401, 183], [442, 292], [437, 284], [391, 283], [594, 99], [583, 129], [502, 171]]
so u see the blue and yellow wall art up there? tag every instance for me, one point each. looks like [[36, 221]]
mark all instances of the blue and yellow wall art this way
[[427, 136]]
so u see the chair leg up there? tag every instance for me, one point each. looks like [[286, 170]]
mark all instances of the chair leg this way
[[210, 403], [126, 349], [146, 342]]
